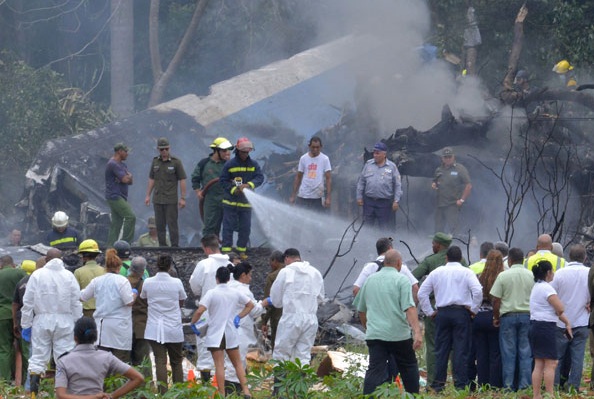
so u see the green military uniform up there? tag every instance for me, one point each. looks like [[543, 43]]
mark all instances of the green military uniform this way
[[166, 175], [450, 182], [140, 354], [84, 275], [429, 264], [272, 314], [146, 240], [206, 171], [9, 277]]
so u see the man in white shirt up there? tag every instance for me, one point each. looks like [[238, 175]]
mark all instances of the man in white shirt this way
[[458, 296], [382, 246], [571, 284], [313, 181], [203, 280]]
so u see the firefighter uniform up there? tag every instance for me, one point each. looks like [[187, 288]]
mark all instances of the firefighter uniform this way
[[237, 211]]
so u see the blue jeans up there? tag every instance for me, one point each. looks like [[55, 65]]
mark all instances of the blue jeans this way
[[515, 350], [575, 349]]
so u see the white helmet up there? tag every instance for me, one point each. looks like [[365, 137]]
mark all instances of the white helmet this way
[[60, 219]]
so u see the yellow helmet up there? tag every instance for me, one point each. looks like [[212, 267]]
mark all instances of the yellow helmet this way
[[89, 246], [28, 266], [222, 143], [562, 67]]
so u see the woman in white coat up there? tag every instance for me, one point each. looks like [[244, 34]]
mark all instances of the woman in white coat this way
[[113, 315], [242, 274], [222, 336]]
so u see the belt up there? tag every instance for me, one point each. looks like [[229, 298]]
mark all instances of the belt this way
[[379, 199], [514, 313], [452, 307]]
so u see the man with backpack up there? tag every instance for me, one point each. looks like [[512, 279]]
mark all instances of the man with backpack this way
[[205, 183]]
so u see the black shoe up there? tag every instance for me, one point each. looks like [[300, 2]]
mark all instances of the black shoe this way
[[35, 380], [205, 377]]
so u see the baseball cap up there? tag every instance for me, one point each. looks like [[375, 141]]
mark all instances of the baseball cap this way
[[379, 146], [120, 146], [447, 152], [162, 143]]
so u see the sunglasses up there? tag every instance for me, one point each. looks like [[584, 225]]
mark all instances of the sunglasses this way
[[164, 149]]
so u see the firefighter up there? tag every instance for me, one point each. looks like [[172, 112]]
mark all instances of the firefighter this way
[[205, 180], [238, 174], [62, 236], [565, 71]]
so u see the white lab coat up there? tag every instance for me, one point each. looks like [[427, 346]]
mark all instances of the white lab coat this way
[[113, 293], [298, 289], [51, 306]]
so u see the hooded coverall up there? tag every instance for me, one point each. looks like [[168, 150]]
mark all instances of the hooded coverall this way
[[51, 306], [298, 289]]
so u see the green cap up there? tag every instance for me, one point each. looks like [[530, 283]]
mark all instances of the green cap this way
[[443, 239], [162, 143]]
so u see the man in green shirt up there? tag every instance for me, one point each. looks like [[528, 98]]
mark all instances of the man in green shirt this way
[[511, 313], [205, 182], [452, 183], [387, 312], [166, 171], [9, 277]]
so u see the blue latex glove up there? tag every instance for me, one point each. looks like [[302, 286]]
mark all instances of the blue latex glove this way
[[135, 291], [195, 329], [26, 334], [236, 321]]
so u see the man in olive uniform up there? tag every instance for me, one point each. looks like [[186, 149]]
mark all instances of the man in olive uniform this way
[[9, 277], [452, 183], [165, 172], [441, 243], [277, 262], [205, 182]]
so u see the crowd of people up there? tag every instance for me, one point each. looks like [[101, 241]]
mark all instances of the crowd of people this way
[[507, 321], [116, 314]]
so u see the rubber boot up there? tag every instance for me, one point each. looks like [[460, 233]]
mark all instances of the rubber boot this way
[[35, 380], [205, 376]]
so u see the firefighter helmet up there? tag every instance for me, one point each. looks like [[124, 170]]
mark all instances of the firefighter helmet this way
[[89, 246], [244, 144], [221, 143], [60, 219], [562, 67], [122, 248]]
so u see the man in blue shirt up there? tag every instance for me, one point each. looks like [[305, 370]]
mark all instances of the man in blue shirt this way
[[379, 189], [117, 180]]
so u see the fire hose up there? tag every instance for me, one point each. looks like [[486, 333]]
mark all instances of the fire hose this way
[[204, 192]]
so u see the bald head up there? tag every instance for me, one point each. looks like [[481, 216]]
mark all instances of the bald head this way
[[393, 259], [40, 262], [53, 253], [544, 242]]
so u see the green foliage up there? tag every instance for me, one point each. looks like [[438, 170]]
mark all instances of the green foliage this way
[[36, 105], [293, 379]]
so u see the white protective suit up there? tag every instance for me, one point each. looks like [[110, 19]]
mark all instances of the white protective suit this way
[[247, 334], [298, 289], [203, 280], [51, 306]]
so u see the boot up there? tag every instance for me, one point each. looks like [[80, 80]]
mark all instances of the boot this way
[[35, 380], [205, 377]]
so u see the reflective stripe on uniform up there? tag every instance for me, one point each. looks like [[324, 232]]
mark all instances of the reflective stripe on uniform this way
[[62, 241], [238, 204], [242, 169]]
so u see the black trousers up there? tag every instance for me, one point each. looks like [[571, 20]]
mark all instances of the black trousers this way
[[453, 331], [402, 353]]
